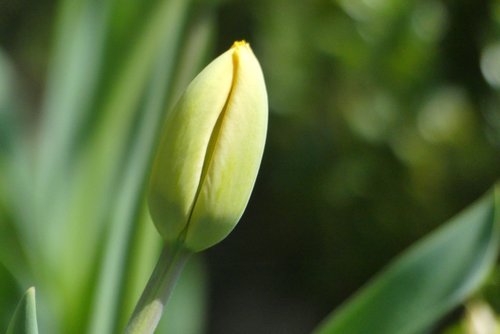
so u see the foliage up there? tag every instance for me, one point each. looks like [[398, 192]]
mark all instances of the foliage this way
[[24, 318], [384, 123]]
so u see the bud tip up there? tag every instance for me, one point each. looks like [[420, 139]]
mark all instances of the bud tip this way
[[241, 43]]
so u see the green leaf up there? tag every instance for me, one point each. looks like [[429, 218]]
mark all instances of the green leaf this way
[[14, 180], [428, 280], [135, 147], [24, 319], [10, 295], [105, 98]]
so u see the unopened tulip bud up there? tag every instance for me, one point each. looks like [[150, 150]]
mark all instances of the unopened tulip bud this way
[[210, 152]]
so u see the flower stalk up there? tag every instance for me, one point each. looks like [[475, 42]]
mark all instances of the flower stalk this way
[[149, 309], [205, 169]]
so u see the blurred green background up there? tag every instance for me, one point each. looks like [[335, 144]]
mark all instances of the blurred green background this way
[[384, 122]]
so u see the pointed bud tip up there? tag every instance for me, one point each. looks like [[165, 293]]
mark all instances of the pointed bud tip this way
[[238, 44]]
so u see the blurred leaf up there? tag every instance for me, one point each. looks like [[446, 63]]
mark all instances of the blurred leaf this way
[[109, 79], [10, 295], [194, 48], [71, 84], [428, 280], [6, 117], [13, 174], [70, 90], [9, 124], [24, 319], [126, 152]]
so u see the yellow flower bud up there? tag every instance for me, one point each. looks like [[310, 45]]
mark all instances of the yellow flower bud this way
[[210, 152]]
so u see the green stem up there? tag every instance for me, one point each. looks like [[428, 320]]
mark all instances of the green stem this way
[[148, 310]]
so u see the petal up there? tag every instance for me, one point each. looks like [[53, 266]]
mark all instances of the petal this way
[[237, 153], [188, 127]]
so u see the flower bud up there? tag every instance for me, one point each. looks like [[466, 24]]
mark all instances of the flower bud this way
[[210, 152]]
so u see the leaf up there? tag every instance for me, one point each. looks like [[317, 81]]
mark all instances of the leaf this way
[[24, 319], [10, 295], [14, 178], [112, 68], [428, 280], [136, 148]]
